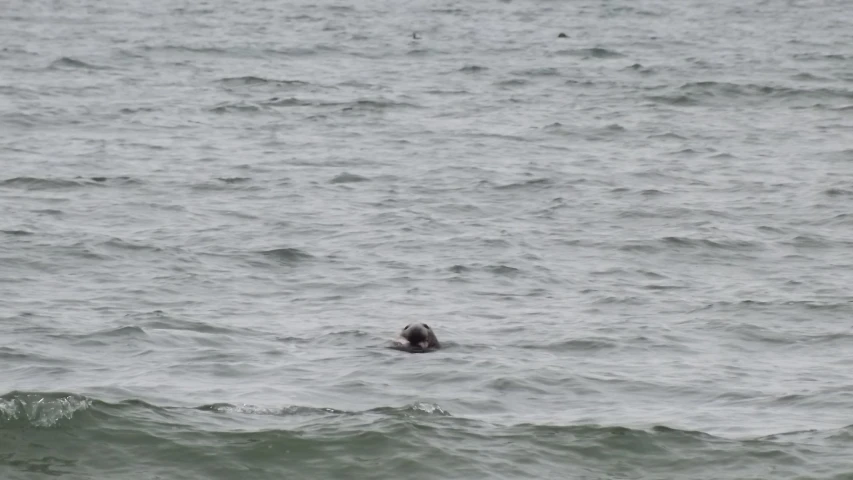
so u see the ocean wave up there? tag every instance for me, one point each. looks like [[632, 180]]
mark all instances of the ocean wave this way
[[260, 81], [497, 269], [195, 50], [35, 183], [226, 184], [122, 332], [236, 107], [256, 410], [17, 233], [417, 408], [377, 104], [313, 50], [473, 69], [286, 255], [289, 102], [55, 433], [439, 91], [538, 72], [706, 92], [39, 409], [573, 345], [638, 67], [56, 409], [347, 177], [723, 244], [838, 192], [68, 62], [268, 105], [533, 183], [688, 243], [595, 52], [821, 56], [121, 180], [674, 100], [513, 82], [135, 110], [503, 270], [159, 320]]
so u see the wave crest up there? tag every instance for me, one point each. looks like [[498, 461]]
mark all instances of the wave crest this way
[[42, 410]]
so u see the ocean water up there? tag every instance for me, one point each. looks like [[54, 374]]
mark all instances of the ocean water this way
[[635, 241]]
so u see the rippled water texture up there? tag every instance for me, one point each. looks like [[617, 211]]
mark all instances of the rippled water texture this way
[[634, 242]]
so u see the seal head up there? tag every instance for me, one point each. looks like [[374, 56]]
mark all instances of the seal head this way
[[417, 338]]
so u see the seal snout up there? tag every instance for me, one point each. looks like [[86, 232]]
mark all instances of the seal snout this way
[[417, 337]]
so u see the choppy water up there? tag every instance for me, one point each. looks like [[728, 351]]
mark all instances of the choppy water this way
[[634, 242]]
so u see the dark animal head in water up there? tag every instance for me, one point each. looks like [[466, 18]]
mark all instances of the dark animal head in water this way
[[418, 337]]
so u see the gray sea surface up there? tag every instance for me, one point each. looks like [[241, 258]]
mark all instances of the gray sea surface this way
[[634, 241]]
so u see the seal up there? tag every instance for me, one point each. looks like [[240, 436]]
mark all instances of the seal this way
[[417, 338]]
